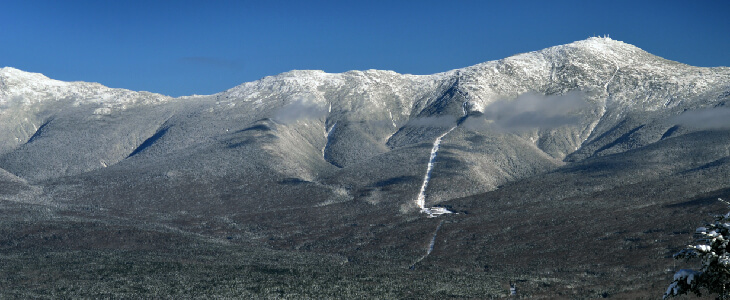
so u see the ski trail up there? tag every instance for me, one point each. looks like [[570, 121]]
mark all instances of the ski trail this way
[[421, 199], [433, 239], [327, 136], [431, 244]]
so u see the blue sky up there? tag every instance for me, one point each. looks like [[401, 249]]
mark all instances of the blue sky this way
[[202, 47]]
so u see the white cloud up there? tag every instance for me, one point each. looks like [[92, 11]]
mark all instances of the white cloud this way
[[706, 118], [532, 110], [300, 109]]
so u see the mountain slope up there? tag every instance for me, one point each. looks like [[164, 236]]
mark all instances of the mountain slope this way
[[574, 135]]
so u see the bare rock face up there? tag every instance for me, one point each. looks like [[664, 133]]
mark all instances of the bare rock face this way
[[298, 158]]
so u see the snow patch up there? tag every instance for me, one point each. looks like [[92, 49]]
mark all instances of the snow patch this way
[[421, 199], [327, 137]]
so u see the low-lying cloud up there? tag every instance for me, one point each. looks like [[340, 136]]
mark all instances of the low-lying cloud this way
[[532, 110], [706, 118], [300, 109]]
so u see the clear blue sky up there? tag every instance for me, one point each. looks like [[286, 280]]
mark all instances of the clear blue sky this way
[[202, 47]]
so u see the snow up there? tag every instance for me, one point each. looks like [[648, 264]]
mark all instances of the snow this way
[[703, 248], [327, 137], [433, 239], [421, 199], [28, 88], [724, 260], [596, 59], [315, 84], [436, 211], [591, 65], [431, 244], [682, 276], [673, 289], [685, 274]]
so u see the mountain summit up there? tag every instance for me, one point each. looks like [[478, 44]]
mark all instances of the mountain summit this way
[[346, 164]]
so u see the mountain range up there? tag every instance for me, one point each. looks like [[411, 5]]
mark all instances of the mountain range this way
[[575, 171]]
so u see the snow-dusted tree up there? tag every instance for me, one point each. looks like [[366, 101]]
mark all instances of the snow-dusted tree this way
[[711, 247]]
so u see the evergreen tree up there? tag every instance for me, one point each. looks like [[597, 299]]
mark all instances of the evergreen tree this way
[[711, 247]]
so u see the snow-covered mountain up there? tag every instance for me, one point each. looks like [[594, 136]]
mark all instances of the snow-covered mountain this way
[[291, 153], [608, 90]]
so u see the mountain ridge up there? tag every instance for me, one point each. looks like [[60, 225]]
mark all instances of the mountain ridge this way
[[362, 102], [354, 164], [594, 45]]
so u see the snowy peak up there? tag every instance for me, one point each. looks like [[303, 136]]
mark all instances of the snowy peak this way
[[594, 48], [29, 88], [588, 65], [310, 82], [613, 71], [11, 74], [14, 83], [604, 46]]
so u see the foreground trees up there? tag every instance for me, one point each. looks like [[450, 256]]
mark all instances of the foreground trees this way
[[711, 247]]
